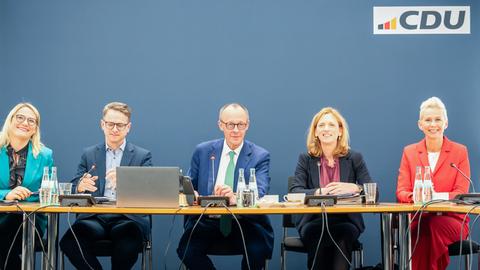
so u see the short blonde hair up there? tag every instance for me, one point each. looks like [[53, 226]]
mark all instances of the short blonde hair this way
[[433, 103], [35, 140], [314, 146], [119, 107]]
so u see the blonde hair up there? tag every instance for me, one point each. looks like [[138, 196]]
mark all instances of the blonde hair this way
[[119, 107], [35, 139], [433, 103], [313, 144]]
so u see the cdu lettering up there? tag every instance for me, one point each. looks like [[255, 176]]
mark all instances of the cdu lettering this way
[[430, 20]]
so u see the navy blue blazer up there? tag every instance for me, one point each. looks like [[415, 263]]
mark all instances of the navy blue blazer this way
[[251, 156], [352, 170], [132, 156]]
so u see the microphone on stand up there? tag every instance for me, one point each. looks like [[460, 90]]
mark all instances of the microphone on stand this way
[[212, 160], [467, 198], [453, 165], [319, 180]]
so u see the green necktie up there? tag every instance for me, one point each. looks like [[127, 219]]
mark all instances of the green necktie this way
[[226, 220]]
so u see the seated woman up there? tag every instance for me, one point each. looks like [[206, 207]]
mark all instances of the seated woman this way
[[329, 167], [438, 152], [22, 158]]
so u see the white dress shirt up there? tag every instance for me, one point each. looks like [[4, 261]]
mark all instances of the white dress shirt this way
[[224, 160], [433, 159]]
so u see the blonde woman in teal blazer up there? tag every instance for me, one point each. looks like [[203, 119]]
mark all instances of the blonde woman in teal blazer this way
[[22, 159]]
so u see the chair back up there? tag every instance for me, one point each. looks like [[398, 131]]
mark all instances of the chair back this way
[[287, 219], [463, 247]]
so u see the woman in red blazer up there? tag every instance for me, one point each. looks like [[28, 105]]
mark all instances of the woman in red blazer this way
[[438, 152]]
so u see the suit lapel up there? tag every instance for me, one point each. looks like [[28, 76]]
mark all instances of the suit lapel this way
[[33, 165], [422, 153], [345, 168], [127, 155], [100, 159], [5, 169], [242, 162], [446, 148]]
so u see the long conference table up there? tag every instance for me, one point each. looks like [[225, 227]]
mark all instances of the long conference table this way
[[388, 211]]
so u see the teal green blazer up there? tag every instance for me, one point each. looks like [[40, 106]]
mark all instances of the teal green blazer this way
[[32, 178]]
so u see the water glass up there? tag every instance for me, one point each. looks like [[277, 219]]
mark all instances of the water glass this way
[[370, 190], [65, 188]]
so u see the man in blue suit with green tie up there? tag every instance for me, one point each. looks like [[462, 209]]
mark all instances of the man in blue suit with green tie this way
[[96, 174], [214, 171]]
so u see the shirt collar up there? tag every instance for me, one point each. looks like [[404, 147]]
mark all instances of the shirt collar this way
[[226, 149], [122, 147], [22, 151]]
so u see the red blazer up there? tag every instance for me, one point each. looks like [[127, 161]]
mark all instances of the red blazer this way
[[444, 177]]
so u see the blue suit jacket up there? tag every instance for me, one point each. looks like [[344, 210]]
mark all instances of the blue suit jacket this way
[[251, 156], [352, 170], [32, 178], [132, 156]]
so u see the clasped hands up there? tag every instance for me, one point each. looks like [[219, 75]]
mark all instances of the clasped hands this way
[[87, 181], [338, 188]]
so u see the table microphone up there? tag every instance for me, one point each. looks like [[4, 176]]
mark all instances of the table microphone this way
[[453, 165], [319, 180], [212, 160]]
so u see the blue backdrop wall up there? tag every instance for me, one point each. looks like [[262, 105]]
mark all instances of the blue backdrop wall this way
[[177, 62]]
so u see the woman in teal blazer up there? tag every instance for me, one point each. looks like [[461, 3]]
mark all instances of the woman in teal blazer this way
[[22, 159]]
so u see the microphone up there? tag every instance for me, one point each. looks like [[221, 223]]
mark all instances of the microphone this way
[[453, 165], [319, 180], [212, 160]]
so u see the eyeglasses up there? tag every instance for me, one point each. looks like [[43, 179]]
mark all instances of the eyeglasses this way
[[111, 125], [20, 118], [231, 125]]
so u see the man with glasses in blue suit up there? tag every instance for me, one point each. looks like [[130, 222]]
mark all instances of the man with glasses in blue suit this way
[[96, 174], [214, 171]]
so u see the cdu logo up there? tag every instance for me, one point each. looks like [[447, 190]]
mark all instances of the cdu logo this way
[[421, 20]]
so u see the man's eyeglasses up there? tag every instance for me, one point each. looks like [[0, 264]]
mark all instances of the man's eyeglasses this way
[[111, 125], [231, 125], [20, 118]]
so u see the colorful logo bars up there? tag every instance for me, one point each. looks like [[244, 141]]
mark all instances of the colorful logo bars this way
[[389, 25]]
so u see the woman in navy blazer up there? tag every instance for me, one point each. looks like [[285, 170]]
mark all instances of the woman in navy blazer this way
[[329, 167], [22, 159]]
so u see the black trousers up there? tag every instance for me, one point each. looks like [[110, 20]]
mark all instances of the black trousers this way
[[208, 232], [125, 234], [344, 233], [8, 227]]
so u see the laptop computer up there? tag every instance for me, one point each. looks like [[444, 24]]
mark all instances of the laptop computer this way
[[148, 187]]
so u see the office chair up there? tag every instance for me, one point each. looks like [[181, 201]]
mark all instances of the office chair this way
[[464, 246]]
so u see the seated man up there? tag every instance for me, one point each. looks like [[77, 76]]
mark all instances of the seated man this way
[[96, 174], [227, 156]]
